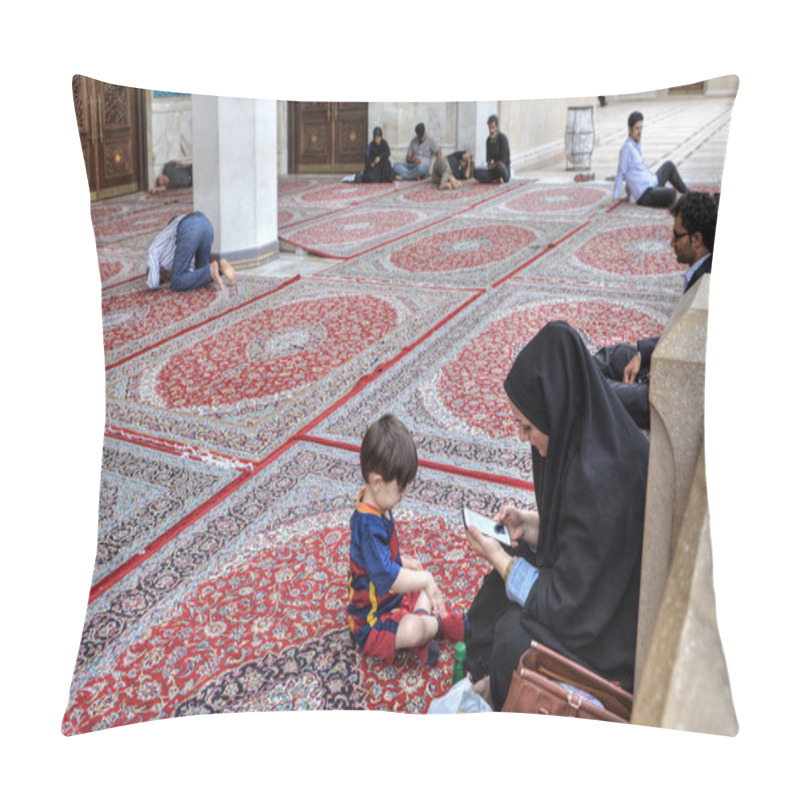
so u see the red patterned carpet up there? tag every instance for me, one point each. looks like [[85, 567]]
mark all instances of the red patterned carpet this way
[[244, 608], [233, 420]]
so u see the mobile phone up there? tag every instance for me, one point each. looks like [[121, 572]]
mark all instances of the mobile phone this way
[[487, 526]]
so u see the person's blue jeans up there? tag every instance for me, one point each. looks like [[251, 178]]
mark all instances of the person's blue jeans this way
[[193, 240], [410, 172], [498, 172]]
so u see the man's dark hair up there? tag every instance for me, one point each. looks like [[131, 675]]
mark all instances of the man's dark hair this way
[[388, 449], [635, 116], [420, 130], [698, 212], [492, 119]]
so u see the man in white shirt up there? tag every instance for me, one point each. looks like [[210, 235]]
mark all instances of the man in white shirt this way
[[646, 188], [183, 248]]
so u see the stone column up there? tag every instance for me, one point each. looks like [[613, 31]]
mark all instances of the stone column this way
[[235, 175], [472, 129], [681, 678], [684, 683]]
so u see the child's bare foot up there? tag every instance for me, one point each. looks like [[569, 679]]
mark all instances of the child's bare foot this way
[[228, 271], [215, 276]]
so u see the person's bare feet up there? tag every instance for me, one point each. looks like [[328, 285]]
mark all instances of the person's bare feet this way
[[228, 271], [215, 276]]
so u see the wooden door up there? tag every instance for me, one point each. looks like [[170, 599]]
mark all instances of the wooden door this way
[[109, 119], [328, 137]]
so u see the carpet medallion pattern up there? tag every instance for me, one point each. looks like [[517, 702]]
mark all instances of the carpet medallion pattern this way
[[354, 231], [614, 251], [578, 202], [241, 384], [450, 389], [458, 252], [135, 317]]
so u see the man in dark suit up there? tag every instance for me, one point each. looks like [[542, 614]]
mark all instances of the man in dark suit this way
[[626, 366]]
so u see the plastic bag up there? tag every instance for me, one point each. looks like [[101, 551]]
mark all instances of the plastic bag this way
[[459, 700]]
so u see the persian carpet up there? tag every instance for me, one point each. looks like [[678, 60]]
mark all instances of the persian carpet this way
[[577, 201], [303, 199], [615, 250], [471, 194], [144, 493], [353, 231], [123, 261], [464, 251], [136, 318], [244, 382], [449, 390], [245, 609], [137, 214]]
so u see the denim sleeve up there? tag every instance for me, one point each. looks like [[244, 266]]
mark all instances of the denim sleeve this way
[[520, 581]]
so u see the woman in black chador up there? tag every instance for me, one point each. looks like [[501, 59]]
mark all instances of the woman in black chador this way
[[377, 166], [572, 580]]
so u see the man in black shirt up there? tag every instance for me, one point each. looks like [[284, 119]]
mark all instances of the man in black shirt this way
[[174, 175], [498, 156]]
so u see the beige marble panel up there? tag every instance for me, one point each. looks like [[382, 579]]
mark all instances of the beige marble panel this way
[[685, 683], [681, 678]]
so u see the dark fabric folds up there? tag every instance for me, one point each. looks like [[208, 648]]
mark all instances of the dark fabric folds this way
[[590, 493]]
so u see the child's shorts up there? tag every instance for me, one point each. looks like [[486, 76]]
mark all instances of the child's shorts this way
[[380, 642]]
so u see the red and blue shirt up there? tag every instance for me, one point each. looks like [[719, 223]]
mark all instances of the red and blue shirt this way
[[374, 566]]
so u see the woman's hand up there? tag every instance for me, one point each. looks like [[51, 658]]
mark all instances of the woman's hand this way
[[410, 563], [486, 547], [521, 525], [489, 549]]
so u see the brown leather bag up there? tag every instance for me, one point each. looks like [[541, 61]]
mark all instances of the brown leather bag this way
[[535, 689]]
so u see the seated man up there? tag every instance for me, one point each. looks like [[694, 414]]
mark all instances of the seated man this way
[[421, 151], [498, 156], [174, 175], [448, 172], [647, 189], [626, 366]]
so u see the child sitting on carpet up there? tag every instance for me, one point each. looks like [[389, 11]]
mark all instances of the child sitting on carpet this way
[[393, 603]]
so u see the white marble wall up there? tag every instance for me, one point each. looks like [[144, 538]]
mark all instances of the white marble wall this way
[[170, 132], [399, 119]]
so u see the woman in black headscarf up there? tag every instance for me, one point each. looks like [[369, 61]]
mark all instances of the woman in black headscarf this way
[[571, 581], [377, 166]]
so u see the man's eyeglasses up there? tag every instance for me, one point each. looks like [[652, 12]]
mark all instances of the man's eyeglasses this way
[[676, 235]]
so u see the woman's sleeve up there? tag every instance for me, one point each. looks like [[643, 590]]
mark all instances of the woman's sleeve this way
[[521, 579]]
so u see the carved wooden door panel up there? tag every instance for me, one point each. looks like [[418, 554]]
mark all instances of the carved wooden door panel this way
[[108, 123], [328, 137], [350, 137]]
